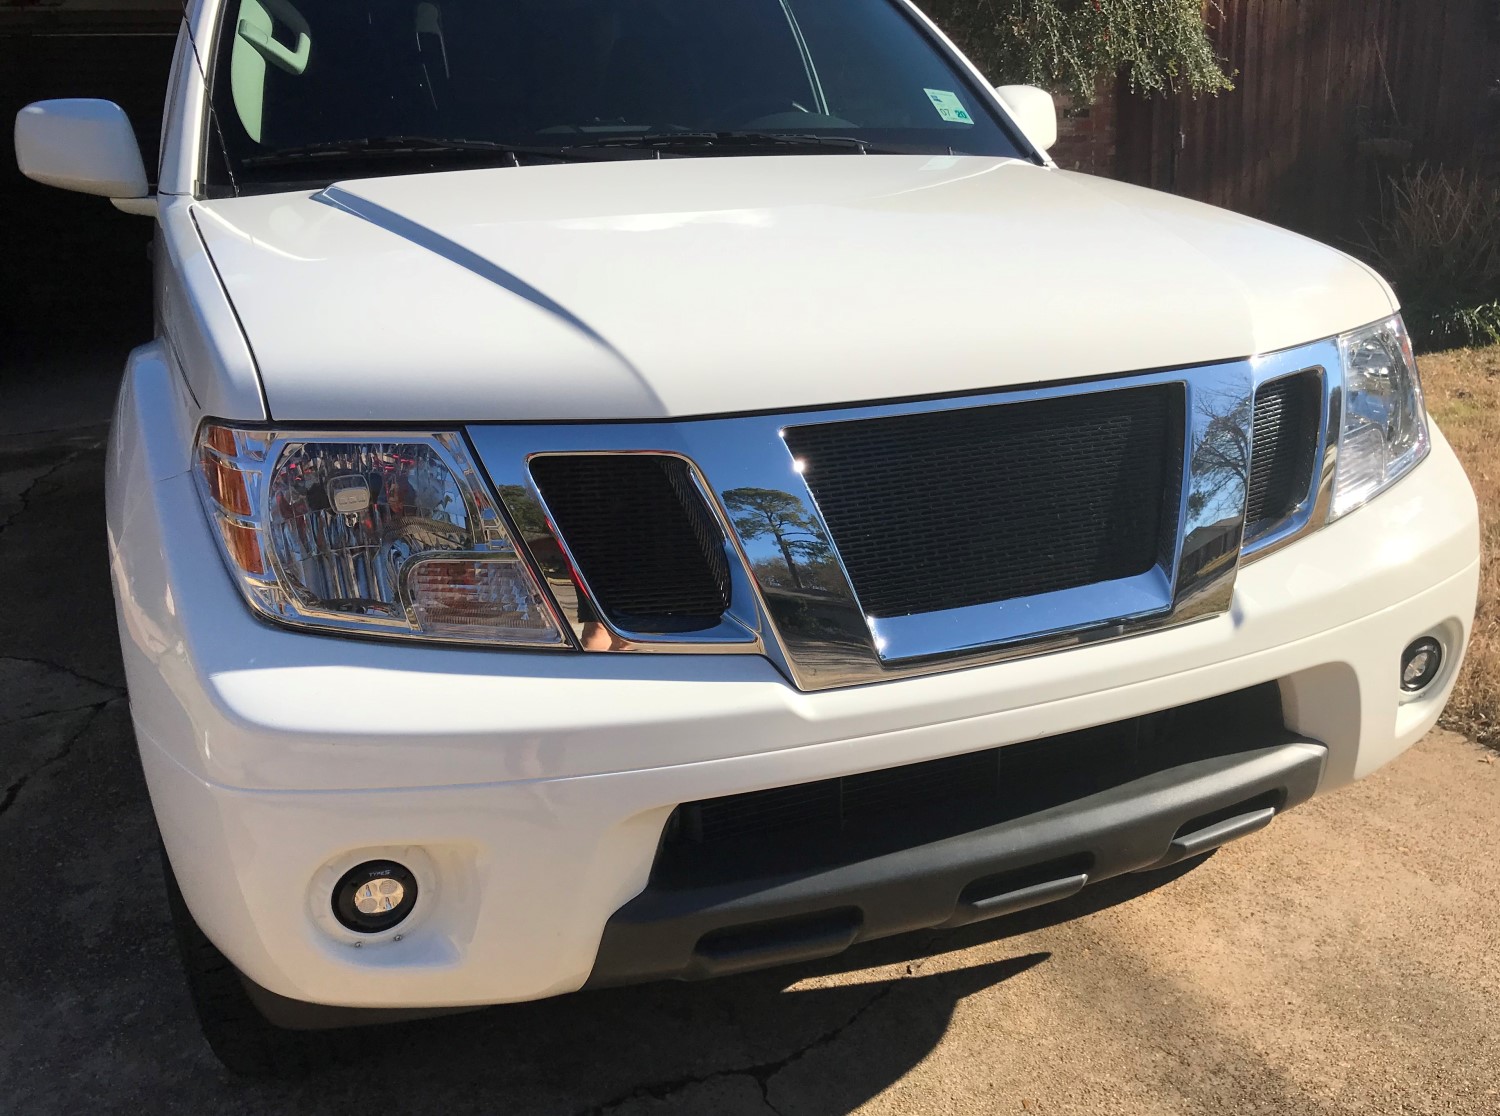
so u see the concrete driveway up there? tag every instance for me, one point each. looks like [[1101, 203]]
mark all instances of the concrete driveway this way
[[1345, 961]]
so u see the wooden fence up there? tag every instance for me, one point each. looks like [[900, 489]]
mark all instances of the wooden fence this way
[[1332, 96]]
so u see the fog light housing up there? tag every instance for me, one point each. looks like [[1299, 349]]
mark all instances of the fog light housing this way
[[1420, 664], [374, 896]]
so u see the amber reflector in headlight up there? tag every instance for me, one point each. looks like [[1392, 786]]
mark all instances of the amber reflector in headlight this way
[[392, 534]]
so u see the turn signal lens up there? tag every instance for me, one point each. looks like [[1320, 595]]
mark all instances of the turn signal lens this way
[[390, 533], [467, 598], [227, 486], [242, 542]]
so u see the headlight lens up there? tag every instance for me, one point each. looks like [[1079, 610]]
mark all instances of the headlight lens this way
[[390, 534], [1384, 431]]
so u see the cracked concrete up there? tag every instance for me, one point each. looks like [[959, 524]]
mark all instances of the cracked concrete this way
[[1345, 961], [711, 1091], [58, 611], [32, 479], [45, 706], [32, 745], [29, 466], [31, 687]]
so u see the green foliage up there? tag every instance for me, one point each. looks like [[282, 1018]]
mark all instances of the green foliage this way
[[1463, 327], [1438, 241], [1070, 45]]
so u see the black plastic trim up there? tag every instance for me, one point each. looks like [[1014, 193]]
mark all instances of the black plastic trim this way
[[342, 898], [299, 1015], [1151, 822]]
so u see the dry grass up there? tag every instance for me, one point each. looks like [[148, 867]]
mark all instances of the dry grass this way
[[1463, 394]]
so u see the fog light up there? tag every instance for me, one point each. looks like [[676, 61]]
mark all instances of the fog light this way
[[1420, 664], [374, 896]]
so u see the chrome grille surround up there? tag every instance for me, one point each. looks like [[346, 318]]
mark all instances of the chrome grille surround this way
[[821, 638], [1322, 359]]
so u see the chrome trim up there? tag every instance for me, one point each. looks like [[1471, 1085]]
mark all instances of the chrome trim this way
[[740, 631], [986, 625], [1210, 519], [1324, 359], [791, 597]]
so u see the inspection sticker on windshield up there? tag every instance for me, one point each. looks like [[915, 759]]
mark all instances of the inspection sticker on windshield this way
[[948, 106]]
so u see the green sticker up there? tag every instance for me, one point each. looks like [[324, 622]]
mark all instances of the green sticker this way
[[948, 106]]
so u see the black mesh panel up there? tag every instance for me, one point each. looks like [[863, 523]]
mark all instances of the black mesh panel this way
[[807, 826], [1288, 417], [948, 509], [641, 536]]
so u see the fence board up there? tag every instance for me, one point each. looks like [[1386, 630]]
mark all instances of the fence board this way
[[1316, 82]]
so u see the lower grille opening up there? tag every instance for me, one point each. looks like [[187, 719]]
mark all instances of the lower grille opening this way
[[641, 536], [1288, 419], [813, 826]]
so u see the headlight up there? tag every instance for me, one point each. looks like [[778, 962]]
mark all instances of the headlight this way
[[392, 534], [1384, 432]]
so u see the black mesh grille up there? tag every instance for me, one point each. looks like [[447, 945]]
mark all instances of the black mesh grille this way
[[1288, 418], [641, 536], [954, 508], [816, 825]]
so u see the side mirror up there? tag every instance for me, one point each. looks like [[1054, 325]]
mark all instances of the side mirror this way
[[1034, 110], [85, 145]]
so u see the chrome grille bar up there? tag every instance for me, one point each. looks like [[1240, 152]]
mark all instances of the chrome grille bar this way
[[791, 597]]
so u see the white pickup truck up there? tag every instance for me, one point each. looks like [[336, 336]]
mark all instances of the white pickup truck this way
[[641, 489]]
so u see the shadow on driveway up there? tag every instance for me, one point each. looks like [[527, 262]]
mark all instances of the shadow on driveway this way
[[96, 1011]]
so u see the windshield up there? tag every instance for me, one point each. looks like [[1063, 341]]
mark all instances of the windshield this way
[[327, 89]]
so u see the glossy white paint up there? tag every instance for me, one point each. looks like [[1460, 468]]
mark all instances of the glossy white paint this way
[[650, 289], [1034, 110], [197, 323], [80, 144], [542, 810], [530, 790]]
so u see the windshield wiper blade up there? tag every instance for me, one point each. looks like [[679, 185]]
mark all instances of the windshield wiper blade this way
[[709, 142], [380, 147]]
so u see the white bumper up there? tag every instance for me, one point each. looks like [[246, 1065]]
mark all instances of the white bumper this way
[[529, 791]]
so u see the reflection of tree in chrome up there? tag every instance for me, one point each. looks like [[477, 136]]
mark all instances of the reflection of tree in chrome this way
[[1221, 460], [770, 512]]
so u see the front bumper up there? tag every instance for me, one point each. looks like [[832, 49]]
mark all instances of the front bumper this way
[[1152, 822], [530, 791]]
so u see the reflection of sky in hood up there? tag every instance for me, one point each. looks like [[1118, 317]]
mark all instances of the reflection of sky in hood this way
[[658, 222]]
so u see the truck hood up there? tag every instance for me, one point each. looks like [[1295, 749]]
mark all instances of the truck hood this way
[[682, 287]]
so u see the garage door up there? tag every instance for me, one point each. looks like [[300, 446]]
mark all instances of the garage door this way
[[73, 266]]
